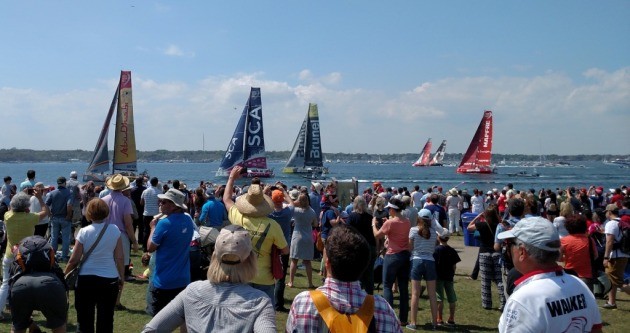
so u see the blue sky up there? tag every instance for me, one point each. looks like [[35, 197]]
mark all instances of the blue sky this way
[[386, 75]]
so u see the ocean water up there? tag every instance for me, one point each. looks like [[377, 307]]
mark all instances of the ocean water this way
[[584, 175]]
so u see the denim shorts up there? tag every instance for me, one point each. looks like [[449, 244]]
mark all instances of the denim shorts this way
[[423, 270]]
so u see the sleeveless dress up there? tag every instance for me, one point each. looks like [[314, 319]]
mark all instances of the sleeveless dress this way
[[302, 238]]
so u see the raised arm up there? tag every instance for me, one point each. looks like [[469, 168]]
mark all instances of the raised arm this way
[[229, 187]]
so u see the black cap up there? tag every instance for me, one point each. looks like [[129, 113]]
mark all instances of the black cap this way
[[61, 180]]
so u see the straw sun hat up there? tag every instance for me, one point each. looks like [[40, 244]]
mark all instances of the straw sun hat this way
[[254, 203], [117, 182]]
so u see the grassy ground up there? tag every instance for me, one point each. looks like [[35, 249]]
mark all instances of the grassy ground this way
[[470, 317]]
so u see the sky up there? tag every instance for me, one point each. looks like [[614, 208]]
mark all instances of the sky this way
[[386, 75]]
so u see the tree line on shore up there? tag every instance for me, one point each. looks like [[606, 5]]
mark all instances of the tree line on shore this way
[[29, 155]]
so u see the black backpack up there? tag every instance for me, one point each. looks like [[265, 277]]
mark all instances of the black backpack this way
[[33, 254], [624, 229]]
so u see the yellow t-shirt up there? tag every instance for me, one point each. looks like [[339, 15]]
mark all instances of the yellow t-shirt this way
[[18, 226], [256, 227]]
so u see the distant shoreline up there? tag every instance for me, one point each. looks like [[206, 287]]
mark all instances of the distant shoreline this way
[[15, 155]]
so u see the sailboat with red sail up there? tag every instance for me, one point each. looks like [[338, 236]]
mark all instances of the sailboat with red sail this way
[[425, 156], [478, 157]]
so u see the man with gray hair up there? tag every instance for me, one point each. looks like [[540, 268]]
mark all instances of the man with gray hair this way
[[545, 298]]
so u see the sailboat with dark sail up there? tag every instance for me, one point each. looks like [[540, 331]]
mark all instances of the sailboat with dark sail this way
[[306, 155], [247, 145], [125, 154], [439, 155], [478, 157]]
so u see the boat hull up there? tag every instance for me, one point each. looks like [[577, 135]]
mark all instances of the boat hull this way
[[251, 173], [307, 170], [477, 170]]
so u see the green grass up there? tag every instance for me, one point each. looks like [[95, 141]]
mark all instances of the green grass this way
[[470, 317]]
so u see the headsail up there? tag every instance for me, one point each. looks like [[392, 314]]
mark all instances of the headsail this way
[[247, 146], [100, 160], [297, 153], [478, 157], [125, 154], [439, 154], [425, 156]]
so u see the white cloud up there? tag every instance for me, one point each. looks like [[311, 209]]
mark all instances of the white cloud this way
[[550, 110], [175, 51]]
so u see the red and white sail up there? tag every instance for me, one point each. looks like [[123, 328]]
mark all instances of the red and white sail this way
[[425, 157], [439, 155], [478, 157]]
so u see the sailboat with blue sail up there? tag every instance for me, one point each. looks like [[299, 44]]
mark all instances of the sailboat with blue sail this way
[[247, 145]]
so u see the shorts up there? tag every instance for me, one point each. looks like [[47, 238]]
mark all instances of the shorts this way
[[38, 291], [159, 298], [448, 286], [615, 270], [423, 268]]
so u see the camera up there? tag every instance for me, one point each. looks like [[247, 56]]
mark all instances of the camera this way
[[244, 170]]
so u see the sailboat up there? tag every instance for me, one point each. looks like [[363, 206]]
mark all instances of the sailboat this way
[[479, 154], [247, 145], [425, 156], [439, 155], [125, 154], [306, 155]]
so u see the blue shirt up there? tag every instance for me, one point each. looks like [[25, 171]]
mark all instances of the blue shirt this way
[[172, 235], [283, 217], [213, 213], [314, 200], [58, 201], [326, 226], [27, 184]]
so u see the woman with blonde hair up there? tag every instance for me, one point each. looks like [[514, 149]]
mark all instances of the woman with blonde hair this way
[[101, 274], [225, 302], [304, 219], [566, 210]]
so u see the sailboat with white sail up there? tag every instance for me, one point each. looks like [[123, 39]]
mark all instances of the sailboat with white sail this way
[[247, 145], [439, 155], [306, 155], [125, 154], [478, 157]]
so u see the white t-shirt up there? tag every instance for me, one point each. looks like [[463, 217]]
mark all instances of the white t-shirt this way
[[35, 207], [612, 228], [101, 260], [416, 198], [477, 203], [550, 302]]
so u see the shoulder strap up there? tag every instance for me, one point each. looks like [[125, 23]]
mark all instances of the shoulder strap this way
[[329, 314], [98, 239]]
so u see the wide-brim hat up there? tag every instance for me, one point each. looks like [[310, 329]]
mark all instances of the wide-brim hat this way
[[254, 203], [117, 182], [453, 191], [175, 196]]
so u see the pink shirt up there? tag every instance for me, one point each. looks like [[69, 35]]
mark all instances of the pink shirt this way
[[397, 231], [119, 206]]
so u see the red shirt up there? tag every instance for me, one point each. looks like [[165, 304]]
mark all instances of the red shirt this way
[[397, 231], [576, 256]]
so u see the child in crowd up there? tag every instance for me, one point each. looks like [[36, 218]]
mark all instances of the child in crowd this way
[[146, 257], [446, 259]]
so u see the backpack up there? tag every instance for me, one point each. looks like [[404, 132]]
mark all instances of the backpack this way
[[359, 322], [624, 229], [33, 254]]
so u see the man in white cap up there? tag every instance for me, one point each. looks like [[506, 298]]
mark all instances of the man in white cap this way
[[170, 236], [545, 298], [250, 211], [75, 188]]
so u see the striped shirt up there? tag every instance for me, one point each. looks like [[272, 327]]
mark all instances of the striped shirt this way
[[150, 196], [423, 248], [345, 297]]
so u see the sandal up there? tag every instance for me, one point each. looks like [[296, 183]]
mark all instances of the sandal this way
[[290, 285]]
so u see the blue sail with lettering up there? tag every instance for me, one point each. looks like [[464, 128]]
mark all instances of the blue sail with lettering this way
[[236, 148], [100, 160], [254, 152]]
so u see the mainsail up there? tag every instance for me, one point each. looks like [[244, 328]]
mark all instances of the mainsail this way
[[247, 145], [479, 154], [306, 155], [125, 154], [425, 156], [439, 155]]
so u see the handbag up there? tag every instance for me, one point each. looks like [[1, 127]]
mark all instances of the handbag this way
[[276, 263], [319, 244], [73, 276]]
